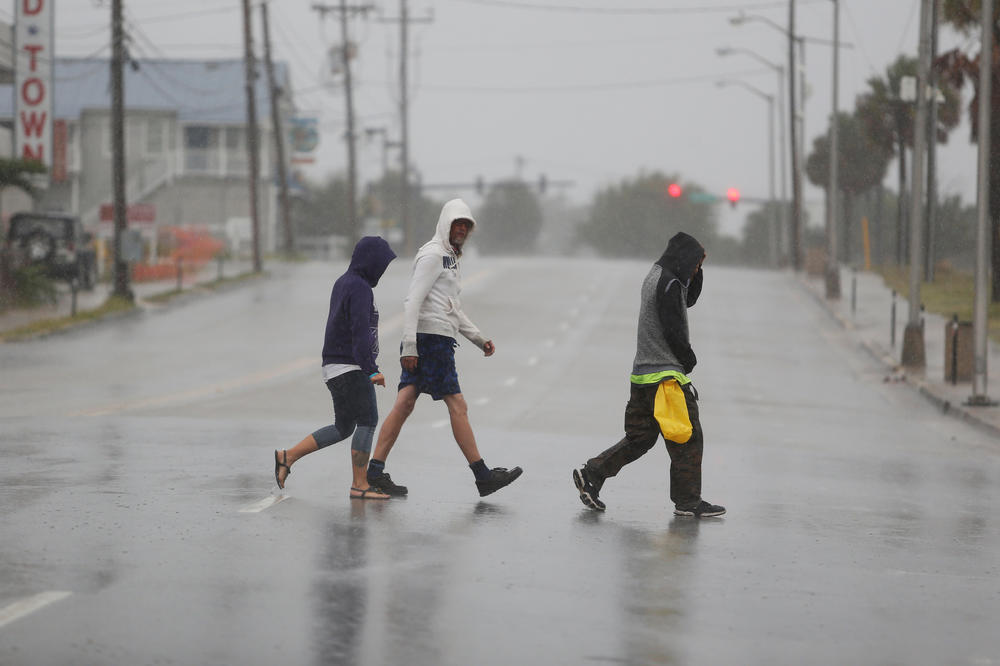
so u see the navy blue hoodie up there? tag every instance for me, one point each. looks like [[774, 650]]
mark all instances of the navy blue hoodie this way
[[352, 325]]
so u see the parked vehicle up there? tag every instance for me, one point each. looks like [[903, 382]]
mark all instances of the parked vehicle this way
[[57, 242]]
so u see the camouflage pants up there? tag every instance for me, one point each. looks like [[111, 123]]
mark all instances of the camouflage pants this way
[[641, 433]]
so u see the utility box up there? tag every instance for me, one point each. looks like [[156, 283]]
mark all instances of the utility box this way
[[959, 355]]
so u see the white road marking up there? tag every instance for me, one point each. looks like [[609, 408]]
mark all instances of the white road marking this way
[[28, 605], [210, 390], [510, 381], [265, 503], [479, 402], [440, 424], [532, 361], [204, 391]]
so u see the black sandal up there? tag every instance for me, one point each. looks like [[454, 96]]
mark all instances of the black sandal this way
[[278, 464], [364, 493]]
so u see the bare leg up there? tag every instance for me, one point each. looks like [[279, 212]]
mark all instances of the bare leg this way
[[458, 410], [393, 423], [305, 447], [359, 463]]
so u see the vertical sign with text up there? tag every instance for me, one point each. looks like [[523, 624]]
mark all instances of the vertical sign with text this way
[[33, 79]]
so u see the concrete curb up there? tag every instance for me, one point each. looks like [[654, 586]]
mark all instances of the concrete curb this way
[[923, 387]]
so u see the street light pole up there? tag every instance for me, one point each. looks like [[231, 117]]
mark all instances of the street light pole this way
[[983, 240], [783, 216], [832, 265], [913, 356], [772, 231]]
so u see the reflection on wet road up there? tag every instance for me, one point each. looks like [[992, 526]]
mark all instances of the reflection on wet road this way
[[141, 523]]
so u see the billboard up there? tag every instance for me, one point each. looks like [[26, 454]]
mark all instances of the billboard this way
[[303, 136], [33, 78]]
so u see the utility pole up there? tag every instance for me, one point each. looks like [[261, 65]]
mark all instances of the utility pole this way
[[980, 324], [251, 76], [913, 356], [833, 194], [796, 238], [279, 136], [121, 276], [932, 123], [352, 156], [404, 21]]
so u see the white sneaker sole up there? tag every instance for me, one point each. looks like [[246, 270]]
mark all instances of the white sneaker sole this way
[[585, 497]]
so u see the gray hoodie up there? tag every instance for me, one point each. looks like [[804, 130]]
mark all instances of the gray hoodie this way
[[672, 286], [432, 303]]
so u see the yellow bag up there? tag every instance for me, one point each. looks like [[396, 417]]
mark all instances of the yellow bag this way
[[670, 411]]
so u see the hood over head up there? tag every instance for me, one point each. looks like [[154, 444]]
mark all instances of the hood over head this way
[[682, 256], [456, 209], [370, 258]]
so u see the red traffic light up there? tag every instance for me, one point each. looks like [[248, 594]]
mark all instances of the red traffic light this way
[[733, 195], [674, 190]]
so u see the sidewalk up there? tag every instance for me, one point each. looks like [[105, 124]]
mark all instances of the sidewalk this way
[[870, 323], [89, 300]]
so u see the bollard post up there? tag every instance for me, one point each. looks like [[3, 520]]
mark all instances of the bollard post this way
[[954, 349], [854, 292], [180, 273], [892, 321]]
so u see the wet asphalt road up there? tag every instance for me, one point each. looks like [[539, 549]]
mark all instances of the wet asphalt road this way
[[141, 524]]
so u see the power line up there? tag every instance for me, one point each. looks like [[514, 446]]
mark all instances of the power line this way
[[629, 11], [592, 87]]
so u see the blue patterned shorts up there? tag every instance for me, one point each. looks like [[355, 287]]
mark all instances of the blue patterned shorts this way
[[435, 373]]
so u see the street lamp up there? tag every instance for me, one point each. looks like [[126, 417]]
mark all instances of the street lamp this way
[[725, 51], [797, 124], [771, 232]]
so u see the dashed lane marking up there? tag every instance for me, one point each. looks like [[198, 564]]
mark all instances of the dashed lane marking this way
[[28, 605], [265, 503]]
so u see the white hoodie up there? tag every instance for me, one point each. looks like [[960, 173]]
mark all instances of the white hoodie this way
[[432, 304]]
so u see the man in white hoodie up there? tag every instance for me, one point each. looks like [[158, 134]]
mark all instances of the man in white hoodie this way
[[432, 320]]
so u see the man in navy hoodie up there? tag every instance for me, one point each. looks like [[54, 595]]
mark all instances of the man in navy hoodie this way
[[349, 369]]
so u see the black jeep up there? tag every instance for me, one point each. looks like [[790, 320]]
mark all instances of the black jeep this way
[[57, 243]]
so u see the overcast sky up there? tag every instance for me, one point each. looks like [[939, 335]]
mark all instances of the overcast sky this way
[[590, 91]]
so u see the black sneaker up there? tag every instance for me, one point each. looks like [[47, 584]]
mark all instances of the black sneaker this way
[[588, 491], [383, 483], [702, 510], [499, 477]]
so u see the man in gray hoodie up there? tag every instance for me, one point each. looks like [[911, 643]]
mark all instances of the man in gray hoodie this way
[[432, 319], [662, 401]]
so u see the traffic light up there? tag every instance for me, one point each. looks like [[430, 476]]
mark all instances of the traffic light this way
[[733, 195], [674, 190]]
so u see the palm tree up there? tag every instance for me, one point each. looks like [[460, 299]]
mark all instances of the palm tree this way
[[958, 66], [889, 121], [863, 163]]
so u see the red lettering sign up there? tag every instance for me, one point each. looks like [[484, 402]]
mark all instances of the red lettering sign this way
[[33, 123], [32, 7], [36, 94]]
